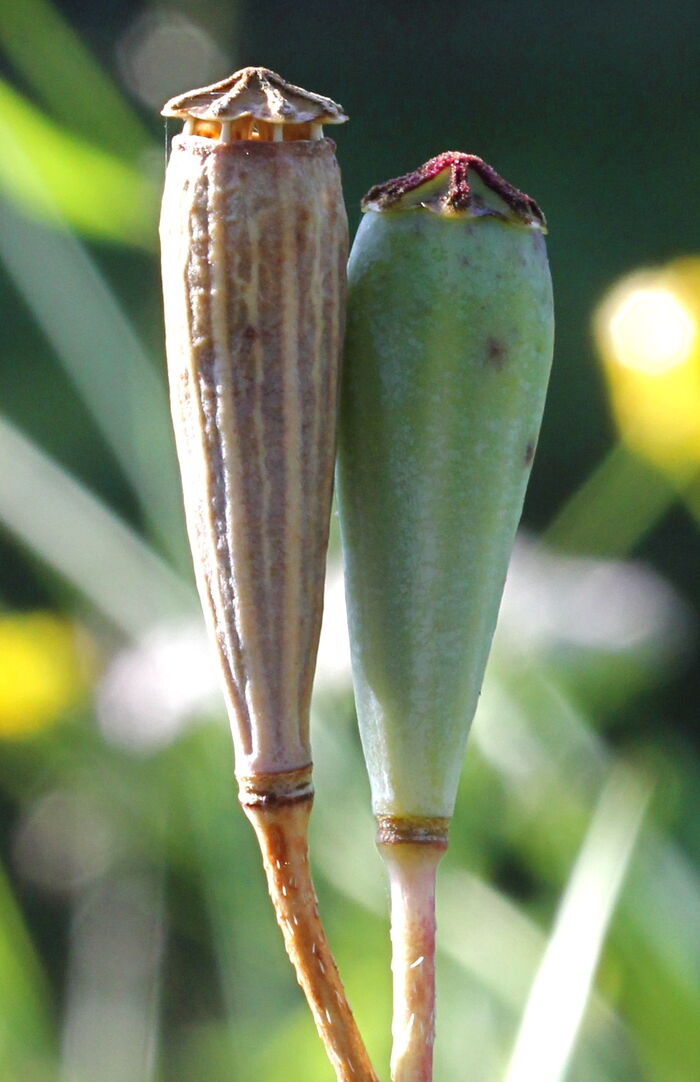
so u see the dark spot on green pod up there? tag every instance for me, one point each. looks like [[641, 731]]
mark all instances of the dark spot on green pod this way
[[529, 452], [496, 354]]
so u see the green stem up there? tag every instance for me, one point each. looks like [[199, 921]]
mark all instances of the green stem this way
[[411, 857]]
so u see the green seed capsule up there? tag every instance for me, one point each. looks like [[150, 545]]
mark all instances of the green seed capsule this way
[[448, 351]]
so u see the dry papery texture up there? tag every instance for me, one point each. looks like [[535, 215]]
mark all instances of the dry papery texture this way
[[254, 239], [254, 281], [257, 103]]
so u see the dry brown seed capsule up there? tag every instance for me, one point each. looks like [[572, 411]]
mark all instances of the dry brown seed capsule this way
[[254, 246]]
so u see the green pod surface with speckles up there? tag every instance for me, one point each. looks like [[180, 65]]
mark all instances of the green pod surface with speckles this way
[[448, 351]]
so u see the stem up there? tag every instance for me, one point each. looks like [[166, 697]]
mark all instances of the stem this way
[[411, 850], [281, 826]]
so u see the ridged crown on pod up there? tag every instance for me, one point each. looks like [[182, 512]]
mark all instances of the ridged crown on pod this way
[[258, 94], [455, 184]]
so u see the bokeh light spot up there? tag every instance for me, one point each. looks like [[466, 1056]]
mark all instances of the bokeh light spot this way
[[652, 331], [647, 337], [42, 672], [162, 51]]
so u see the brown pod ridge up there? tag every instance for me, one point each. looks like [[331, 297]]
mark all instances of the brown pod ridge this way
[[254, 246]]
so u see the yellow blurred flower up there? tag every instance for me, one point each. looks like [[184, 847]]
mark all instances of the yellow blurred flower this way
[[41, 672], [648, 333]]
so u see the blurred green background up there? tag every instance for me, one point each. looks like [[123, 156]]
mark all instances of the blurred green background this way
[[136, 940]]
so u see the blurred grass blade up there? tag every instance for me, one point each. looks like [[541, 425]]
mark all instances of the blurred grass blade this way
[[55, 175], [97, 346], [691, 497], [656, 935], [504, 953], [615, 507], [115, 980], [75, 89], [658, 944], [25, 1029], [83, 541], [562, 986]]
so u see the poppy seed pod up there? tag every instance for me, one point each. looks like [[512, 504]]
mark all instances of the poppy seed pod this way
[[254, 246], [254, 242], [447, 357]]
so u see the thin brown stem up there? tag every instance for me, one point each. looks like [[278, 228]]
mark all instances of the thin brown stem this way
[[411, 853], [282, 831]]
